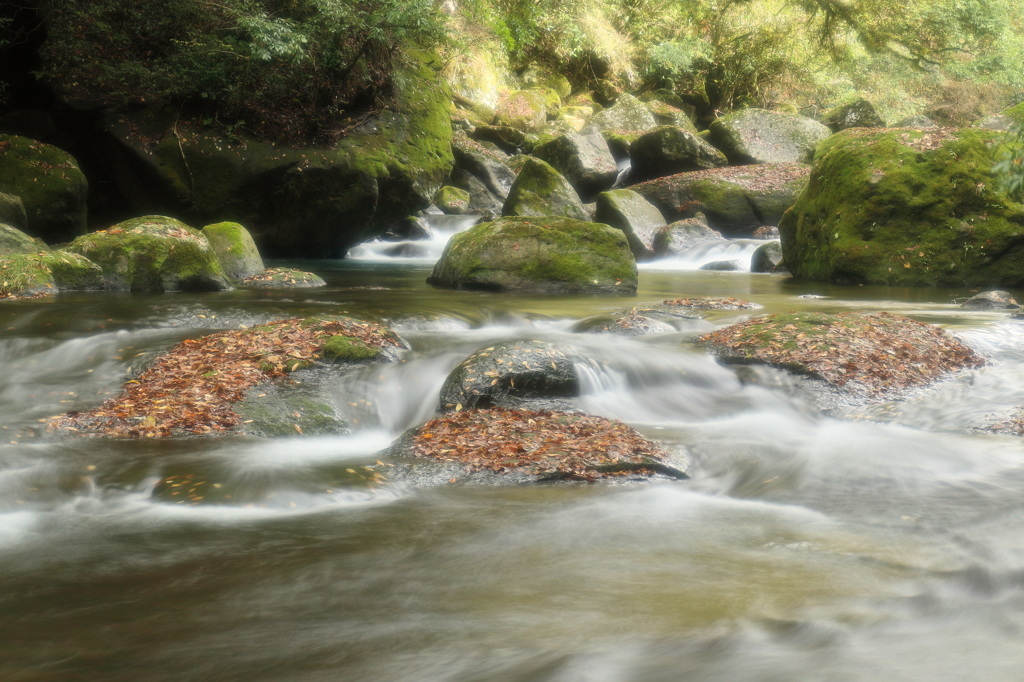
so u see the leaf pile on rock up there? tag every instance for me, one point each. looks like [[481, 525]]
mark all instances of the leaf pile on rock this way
[[711, 303], [191, 389], [549, 444], [283, 278], [874, 353]]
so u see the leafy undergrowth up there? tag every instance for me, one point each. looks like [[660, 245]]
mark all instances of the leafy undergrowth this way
[[546, 444], [711, 303], [191, 389], [875, 353]]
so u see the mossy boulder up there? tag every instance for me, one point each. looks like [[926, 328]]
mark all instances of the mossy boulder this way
[[668, 150], [761, 136], [13, 240], [155, 254], [283, 278], [50, 184], [638, 219], [481, 172], [12, 212], [629, 113], [906, 207], [540, 190], [1004, 120], [507, 374], [297, 202], [524, 110], [735, 200], [538, 254], [584, 160], [676, 239], [668, 115], [25, 275], [859, 113], [236, 250], [452, 200], [74, 272]]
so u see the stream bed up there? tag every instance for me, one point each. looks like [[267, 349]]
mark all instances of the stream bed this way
[[884, 543]]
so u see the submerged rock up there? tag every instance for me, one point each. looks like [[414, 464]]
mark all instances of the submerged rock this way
[[538, 254], [873, 354], [237, 252], [498, 446], [761, 136], [153, 253], [906, 207], [712, 303], [52, 188]]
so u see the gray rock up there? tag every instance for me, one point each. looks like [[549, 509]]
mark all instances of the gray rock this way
[[631, 324], [668, 150], [991, 300], [915, 121], [628, 114], [761, 136], [679, 237], [508, 139], [725, 266], [668, 115], [857, 114], [487, 166], [639, 219], [767, 258], [584, 160], [525, 110], [540, 190]]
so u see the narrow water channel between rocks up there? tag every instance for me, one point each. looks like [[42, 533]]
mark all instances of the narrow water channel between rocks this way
[[878, 542]]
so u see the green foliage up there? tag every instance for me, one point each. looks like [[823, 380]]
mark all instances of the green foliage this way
[[286, 68], [1010, 167]]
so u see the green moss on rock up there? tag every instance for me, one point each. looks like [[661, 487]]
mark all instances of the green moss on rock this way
[[283, 278], [25, 275], [347, 349], [538, 254], [12, 212], [540, 190], [14, 241], [907, 207], [50, 184], [153, 253], [235, 250]]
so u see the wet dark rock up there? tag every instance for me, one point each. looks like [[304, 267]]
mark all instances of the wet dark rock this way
[[505, 374], [767, 258], [668, 150], [52, 188], [991, 300], [289, 410], [761, 136], [725, 266], [676, 239], [630, 212]]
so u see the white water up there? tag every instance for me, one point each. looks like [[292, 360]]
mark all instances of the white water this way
[[709, 252], [442, 228]]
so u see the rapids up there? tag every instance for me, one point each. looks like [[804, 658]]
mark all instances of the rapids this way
[[881, 542]]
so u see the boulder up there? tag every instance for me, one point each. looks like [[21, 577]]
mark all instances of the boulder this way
[[859, 113], [735, 200], [524, 110], [52, 188], [153, 254], [667, 150], [508, 374], [761, 136], [482, 172], [12, 212], [667, 115], [766, 232], [297, 202], [540, 190], [1004, 120], [14, 241], [509, 140], [676, 239], [629, 114], [24, 275], [991, 300], [584, 160], [628, 211], [538, 254], [906, 207], [283, 278], [915, 121], [452, 200], [73, 272], [735, 265], [767, 258], [235, 249]]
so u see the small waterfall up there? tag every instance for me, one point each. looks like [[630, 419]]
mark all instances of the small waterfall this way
[[442, 228], [596, 378], [709, 252]]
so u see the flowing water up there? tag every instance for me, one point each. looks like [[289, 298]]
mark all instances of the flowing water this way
[[885, 544]]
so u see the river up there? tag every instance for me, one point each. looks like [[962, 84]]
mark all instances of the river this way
[[804, 547]]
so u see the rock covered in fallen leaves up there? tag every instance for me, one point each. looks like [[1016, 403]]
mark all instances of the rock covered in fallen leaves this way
[[153, 254], [283, 278], [631, 324], [498, 445], [875, 354], [507, 374], [712, 303], [192, 389], [992, 300]]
